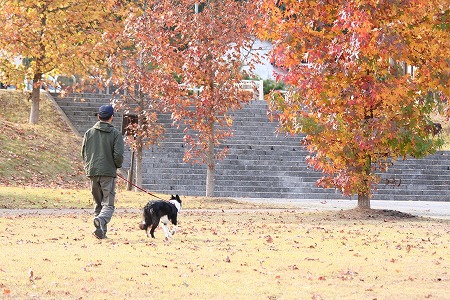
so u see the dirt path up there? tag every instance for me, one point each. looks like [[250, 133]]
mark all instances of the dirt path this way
[[427, 209], [68, 211]]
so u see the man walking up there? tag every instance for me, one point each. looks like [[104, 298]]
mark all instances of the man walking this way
[[102, 153]]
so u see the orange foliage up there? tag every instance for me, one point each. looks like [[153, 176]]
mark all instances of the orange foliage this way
[[53, 37], [374, 72]]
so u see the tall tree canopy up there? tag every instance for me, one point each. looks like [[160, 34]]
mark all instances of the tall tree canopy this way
[[53, 37], [364, 77], [215, 39], [179, 48], [143, 73]]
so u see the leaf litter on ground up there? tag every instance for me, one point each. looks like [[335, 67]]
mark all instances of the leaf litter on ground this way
[[229, 253]]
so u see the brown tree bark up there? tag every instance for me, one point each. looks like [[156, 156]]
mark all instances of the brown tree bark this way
[[210, 164], [139, 143], [363, 201], [364, 194], [35, 99]]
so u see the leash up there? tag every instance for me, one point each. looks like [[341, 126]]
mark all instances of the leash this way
[[139, 188]]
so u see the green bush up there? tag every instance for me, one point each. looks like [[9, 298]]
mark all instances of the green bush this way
[[272, 85], [268, 84]]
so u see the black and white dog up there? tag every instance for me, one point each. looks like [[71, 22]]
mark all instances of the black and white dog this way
[[161, 211]]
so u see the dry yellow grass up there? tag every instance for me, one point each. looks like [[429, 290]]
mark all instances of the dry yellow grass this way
[[230, 254], [37, 198], [44, 155]]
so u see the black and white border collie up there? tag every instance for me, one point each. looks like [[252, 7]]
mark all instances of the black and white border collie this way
[[161, 211]]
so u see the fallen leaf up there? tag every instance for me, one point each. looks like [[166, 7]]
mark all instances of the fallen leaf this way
[[30, 274]]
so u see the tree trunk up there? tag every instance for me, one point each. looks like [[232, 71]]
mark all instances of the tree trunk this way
[[364, 201], [364, 193], [35, 98], [210, 182], [138, 167], [139, 151], [210, 163], [139, 141], [130, 172]]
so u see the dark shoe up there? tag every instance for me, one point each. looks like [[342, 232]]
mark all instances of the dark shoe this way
[[99, 232]]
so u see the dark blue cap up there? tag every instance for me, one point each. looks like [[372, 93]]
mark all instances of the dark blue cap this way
[[106, 111]]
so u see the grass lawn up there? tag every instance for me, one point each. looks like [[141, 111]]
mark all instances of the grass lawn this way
[[46, 154], [228, 253], [57, 198]]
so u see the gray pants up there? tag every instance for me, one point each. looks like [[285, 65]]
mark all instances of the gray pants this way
[[103, 189]]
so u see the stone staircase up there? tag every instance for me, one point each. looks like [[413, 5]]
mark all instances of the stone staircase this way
[[260, 163], [426, 179], [81, 109]]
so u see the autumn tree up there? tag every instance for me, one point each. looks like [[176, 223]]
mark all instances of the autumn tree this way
[[216, 38], [364, 78], [142, 75], [187, 59], [53, 37]]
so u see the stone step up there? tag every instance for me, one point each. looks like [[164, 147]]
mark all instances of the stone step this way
[[261, 163]]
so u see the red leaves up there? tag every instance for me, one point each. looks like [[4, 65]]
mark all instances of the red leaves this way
[[347, 274], [188, 64]]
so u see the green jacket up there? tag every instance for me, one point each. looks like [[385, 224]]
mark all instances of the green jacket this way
[[102, 150]]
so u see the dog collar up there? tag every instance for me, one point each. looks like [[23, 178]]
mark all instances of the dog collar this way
[[176, 203]]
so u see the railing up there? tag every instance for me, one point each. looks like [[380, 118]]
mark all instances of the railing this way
[[255, 86]]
